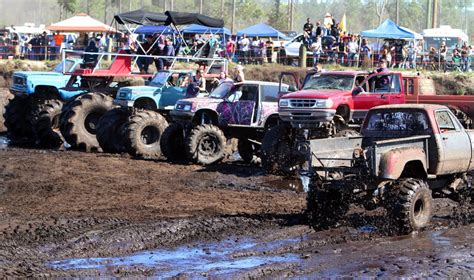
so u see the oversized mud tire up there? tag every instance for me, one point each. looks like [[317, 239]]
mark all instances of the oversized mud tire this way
[[79, 121], [18, 119], [275, 152], [172, 142], [205, 144], [410, 205], [248, 150], [110, 130], [45, 123], [325, 206], [143, 133], [5, 97]]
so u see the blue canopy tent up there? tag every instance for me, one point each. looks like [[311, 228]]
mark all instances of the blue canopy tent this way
[[390, 30], [201, 29], [261, 30], [155, 29]]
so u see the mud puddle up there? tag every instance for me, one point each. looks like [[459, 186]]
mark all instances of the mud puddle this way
[[223, 258], [4, 142]]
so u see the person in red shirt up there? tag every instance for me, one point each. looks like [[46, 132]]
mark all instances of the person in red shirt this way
[[58, 40], [229, 49]]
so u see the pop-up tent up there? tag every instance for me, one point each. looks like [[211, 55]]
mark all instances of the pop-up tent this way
[[390, 30], [178, 18], [141, 17], [201, 29], [81, 23], [155, 29], [261, 30]]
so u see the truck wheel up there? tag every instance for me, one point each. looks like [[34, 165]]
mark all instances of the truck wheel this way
[[110, 130], [205, 144], [248, 150], [5, 97], [45, 123], [172, 142], [78, 122], [143, 132], [410, 206], [276, 151], [325, 206], [18, 119]]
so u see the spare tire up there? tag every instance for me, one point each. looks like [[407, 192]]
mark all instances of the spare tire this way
[[45, 123], [110, 130], [18, 119], [276, 151], [5, 97], [172, 142], [143, 133], [205, 144], [79, 121]]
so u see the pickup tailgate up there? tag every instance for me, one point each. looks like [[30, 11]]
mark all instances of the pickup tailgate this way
[[334, 152]]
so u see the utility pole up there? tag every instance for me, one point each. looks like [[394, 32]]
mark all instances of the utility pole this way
[[87, 7], [292, 12], [434, 22], [289, 14], [130, 5], [465, 16], [172, 5], [233, 17], [397, 18], [105, 10], [120, 6], [200, 6], [428, 14], [222, 8], [164, 5]]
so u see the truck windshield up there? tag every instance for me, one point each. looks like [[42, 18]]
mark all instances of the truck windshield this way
[[339, 82], [410, 121], [160, 79], [68, 67], [222, 90]]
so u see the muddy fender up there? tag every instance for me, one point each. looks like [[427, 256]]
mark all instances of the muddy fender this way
[[393, 162]]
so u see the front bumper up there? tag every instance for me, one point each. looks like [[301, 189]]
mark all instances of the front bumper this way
[[124, 103], [182, 116], [306, 118]]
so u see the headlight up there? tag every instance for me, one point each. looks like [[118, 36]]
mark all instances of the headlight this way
[[125, 94], [324, 103], [183, 106], [284, 103]]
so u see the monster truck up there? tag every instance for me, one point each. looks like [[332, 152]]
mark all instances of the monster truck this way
[[233, 110], [88, 94], [329, 102], [407, 155], [32, 91], [137, 125]]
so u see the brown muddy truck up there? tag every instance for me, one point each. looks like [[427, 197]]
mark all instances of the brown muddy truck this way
[[407, 155]]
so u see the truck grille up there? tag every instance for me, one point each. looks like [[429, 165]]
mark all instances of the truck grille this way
[[302, 103], [19, 81]]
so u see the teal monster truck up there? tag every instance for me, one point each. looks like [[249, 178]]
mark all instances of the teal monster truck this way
[[33, 106], [137, 125]]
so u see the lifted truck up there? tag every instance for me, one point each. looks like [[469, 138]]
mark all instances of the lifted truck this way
[[137, 125], [407, 155], [330, 102], [203, 124]]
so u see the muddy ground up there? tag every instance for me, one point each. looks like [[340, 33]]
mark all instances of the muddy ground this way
[[73, 214]]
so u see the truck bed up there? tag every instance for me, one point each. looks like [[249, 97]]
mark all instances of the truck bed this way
[[464, 102]]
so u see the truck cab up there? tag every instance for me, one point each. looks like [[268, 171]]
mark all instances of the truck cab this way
[[165, 88], [345, 94], [30, 82]]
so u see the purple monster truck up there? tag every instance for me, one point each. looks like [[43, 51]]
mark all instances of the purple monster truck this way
[[232, 110]]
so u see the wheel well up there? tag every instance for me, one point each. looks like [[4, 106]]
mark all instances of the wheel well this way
[[46, 92], [272, 121], [145, 103], [414, 169], [205, 116], [344, 111]]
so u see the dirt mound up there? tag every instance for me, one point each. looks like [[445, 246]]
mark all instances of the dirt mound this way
[[454, 83]]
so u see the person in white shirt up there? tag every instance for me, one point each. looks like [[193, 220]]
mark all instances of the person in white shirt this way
[[317, 48], [352, 48], [244, 48]]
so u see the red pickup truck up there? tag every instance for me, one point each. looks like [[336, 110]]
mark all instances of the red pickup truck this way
[[329, 103]]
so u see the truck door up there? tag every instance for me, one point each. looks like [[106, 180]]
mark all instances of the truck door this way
[[378, 89], [242, 109], [456, 145]]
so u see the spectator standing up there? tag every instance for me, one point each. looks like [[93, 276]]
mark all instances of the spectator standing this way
[[168, 50], [244, 44], [319, 31], [229, 48], [328, 22], [145, 49], [58, 40], [308, 27], [352, 49], [465, 57], [317, 49], [16, 46], [269, 50]]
